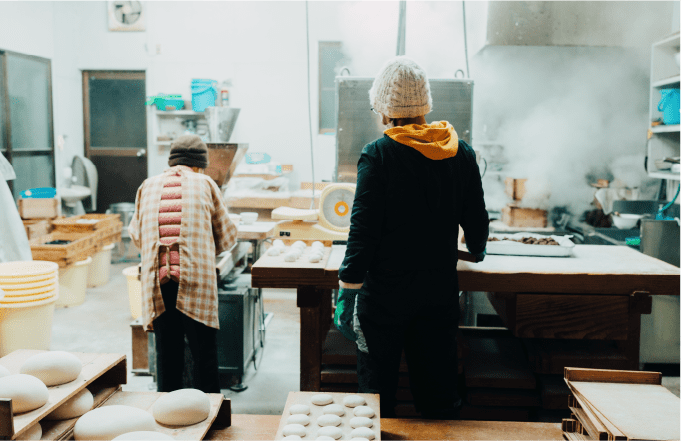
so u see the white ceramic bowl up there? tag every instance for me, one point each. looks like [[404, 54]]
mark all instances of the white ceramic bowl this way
[[625, 221], [249, 217]]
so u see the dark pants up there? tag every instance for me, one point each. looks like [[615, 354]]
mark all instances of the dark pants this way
[[426, 331], [170, 329]]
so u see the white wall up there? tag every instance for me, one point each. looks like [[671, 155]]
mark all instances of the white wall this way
[[27, 27]]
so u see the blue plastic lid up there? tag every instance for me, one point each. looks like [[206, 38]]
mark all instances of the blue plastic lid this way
[[39, 193]]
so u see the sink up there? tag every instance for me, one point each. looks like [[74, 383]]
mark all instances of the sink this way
[[74, 194]]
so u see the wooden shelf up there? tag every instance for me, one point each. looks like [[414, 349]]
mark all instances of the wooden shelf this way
[[667, 81], [666, 128]]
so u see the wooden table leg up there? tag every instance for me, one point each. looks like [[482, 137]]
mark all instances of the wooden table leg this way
[[309, 302], [639, 303]]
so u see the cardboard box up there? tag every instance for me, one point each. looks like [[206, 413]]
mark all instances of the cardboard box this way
[[515, 188], [514, 216], [48, 208]]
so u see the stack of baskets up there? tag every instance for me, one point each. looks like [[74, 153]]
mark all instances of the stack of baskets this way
[[28, 292]]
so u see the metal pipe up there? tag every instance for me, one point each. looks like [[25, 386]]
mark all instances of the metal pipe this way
[[402, 28]]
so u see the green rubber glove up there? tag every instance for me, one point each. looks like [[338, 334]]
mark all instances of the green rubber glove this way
[[345, 308]]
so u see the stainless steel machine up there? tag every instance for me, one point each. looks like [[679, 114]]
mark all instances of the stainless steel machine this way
[[358, 125]]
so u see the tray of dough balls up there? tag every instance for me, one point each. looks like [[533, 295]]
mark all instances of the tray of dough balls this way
[[330, 416], [299, 254]]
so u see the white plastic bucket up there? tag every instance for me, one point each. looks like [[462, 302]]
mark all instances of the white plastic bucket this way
[[98, 273], [12, 271], [73, 283], [26, 326], [134, 291]]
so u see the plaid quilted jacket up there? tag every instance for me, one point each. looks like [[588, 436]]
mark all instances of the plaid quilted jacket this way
[[206, 231]]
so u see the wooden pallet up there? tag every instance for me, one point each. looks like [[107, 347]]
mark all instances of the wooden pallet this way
[[372, 400], [100, 370], [86, 222]]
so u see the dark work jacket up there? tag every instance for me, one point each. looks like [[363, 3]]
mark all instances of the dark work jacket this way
[[407, 211]]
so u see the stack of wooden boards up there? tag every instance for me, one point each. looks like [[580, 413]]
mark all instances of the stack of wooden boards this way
[[77, 237], [620, 405], [515, 216]]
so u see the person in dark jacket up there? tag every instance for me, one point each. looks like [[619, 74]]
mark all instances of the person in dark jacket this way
[[399, 287]]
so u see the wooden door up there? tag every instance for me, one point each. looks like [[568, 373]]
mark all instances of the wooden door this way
[[116, 133]]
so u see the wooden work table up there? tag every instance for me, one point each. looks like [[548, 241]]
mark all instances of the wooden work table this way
[[264, 427], [599, 293]]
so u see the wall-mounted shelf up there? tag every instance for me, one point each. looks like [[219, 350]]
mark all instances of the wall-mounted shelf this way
[[179, 113], [667, 82], [665, 175], [666, 129]]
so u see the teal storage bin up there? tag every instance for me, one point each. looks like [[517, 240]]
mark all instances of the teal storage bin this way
[[204, 94], [669, 106], [167, 102]]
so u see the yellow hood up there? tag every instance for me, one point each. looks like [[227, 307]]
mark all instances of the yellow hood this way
[[435, 141]]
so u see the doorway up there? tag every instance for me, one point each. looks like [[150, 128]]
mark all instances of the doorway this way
[[115, 123]]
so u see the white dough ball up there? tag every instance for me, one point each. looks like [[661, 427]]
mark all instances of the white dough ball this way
[[363, 432], [34, 433], [143, 435], [317, 253], [4, 371], [364, 411], [278, 243], [298, 418], [299, 244], [329, 420], [325, 438], [294, 429], [274, 251], [333, 432], [354, 401], [182, 407], [26, 391], [291, 257], [361, 422], [334, 409], [314, 258], [321, 399], [53, 368], [292, 437], [108, 422], [77, 405], [302, 409], [317, 243]]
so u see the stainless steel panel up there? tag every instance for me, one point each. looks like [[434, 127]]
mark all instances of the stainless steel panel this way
[[221, 122], [358, 125], [223, 159], [660, 239]]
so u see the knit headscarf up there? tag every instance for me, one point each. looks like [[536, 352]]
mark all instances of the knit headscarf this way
[[401, 90], [188, 150]]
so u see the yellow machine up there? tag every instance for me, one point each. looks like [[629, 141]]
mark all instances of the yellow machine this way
[[330, 222]]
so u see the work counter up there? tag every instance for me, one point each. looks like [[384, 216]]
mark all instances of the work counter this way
[[264, 427], [599, 293]]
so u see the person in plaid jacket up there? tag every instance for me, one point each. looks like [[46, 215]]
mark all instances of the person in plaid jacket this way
[[180, 224]]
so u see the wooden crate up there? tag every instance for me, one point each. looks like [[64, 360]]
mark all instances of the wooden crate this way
[[515, 188], [36, 228], [514, 216], [82, 245], [86, 222], [39, 208]]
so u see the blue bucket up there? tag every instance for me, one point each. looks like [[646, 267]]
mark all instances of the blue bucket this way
[[669, 106], [204, 94]]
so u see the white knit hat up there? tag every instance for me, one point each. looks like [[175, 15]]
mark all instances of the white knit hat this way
[[401, 90]]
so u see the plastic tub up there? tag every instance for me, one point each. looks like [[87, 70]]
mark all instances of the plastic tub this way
[[134, 291], [669, 105], [73, 283], [26, 326], [204, 94], [27, 286], [99, 271], [15, 272], [32, 291]]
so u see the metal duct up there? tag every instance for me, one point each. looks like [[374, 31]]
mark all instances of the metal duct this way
[[402, 28]]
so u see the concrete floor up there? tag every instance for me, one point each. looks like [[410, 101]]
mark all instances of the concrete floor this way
[[102, 324]]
